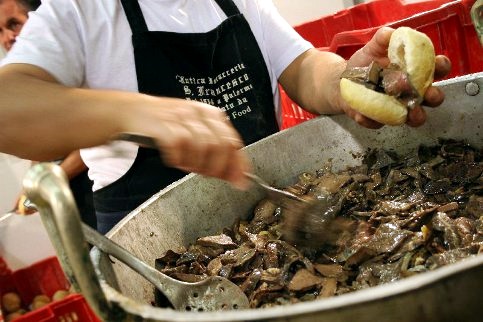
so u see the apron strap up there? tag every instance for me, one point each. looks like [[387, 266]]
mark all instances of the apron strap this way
[[228, 7], [138, 23], [134, 16]]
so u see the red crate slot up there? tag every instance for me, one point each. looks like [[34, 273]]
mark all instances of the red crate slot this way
[[44, 277], [447, 23], [293, 114]]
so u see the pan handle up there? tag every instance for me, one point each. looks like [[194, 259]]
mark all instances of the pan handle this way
[[47, 187]]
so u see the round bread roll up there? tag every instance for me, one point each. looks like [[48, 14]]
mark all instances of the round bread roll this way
[[40, 301], [11, 302], [60, 295], [413, 52]]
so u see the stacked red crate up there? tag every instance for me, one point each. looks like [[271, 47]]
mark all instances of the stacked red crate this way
[[44, 277]]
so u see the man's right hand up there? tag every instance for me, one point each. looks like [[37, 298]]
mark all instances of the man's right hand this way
[[192, 136]]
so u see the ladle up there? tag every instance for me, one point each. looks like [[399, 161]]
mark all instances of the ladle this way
[[47, 187], [211, 294]]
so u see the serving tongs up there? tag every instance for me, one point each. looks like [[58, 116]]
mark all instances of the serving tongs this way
[[47, 187]]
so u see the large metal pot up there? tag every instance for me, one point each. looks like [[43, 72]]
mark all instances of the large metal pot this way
[[197, 206]]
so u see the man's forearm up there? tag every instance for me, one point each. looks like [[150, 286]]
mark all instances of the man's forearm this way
[[43, 120], [312, 81], [73, 165]]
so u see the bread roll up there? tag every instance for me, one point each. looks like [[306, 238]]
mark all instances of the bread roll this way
[[412, 52]]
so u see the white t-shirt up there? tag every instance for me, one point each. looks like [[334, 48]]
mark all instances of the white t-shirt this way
[[87, 43]]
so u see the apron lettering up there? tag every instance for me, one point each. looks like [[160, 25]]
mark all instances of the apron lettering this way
[[242, 100], [187, 90], [234, 70], [203, 91], [230, 84], [202, 100], [227, 107], [236, 93], [236, 114], [190, 80], [229, 89]]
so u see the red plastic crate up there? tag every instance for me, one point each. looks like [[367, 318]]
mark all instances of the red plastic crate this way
[[72, 308], [321, 32], [447, 23], [46, 277], [4, 270]]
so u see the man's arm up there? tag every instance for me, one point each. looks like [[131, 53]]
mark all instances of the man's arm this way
[[192, 136], [312, 80], [73, 165], [64, 118]]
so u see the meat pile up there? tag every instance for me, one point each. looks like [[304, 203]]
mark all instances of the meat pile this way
[[397, 216]]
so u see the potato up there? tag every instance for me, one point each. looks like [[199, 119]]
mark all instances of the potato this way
[[14, 315], [11, 302], [59, 295], [40, 301]]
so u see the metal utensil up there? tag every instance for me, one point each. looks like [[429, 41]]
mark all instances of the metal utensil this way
[[47, 187], [214, 293], [308, 220], [279, 196]]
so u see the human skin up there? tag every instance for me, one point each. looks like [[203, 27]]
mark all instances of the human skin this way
[[12, 18], [319, 91]]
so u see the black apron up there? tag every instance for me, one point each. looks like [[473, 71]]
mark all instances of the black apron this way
[[223, 67]]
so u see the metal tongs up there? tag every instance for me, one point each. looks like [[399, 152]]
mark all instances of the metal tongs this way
[[277, 195]]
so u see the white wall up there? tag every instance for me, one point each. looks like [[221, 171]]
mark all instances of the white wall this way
[[300, 11], [296, 12], [12, 170]]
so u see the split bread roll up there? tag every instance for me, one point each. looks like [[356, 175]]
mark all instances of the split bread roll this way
[[412, 52]]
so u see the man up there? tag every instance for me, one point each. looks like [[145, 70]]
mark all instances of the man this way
[[13, 16], [200, 77]]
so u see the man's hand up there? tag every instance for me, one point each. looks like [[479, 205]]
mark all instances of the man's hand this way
[[20, 207], [376, 50], [192, 136]]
